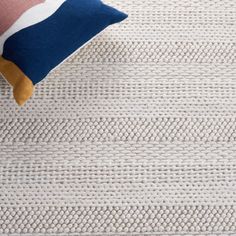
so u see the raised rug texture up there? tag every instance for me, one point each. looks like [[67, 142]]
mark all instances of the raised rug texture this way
[[134, 135]]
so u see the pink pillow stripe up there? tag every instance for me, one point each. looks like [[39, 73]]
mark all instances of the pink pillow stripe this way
[[11, 10]]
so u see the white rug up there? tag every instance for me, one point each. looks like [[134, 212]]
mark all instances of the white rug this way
[[135, 135]]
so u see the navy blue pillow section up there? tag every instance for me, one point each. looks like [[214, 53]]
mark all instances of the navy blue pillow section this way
[[38, 49]]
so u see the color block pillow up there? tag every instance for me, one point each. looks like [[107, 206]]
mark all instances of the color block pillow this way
[[37, 35]]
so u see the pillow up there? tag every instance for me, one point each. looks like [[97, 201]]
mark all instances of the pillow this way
[[40, 35], [11, 9]]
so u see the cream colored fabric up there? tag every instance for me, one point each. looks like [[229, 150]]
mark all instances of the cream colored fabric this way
[[134, 135]]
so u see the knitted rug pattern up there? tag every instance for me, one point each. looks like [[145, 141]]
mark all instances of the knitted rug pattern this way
[[134, 135]]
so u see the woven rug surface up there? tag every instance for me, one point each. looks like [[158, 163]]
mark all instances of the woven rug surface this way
[[134, 135]]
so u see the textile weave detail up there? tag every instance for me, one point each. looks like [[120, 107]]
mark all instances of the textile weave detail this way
[[135, 135]]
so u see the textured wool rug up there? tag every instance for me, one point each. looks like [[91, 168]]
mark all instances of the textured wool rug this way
[[134, 135]]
